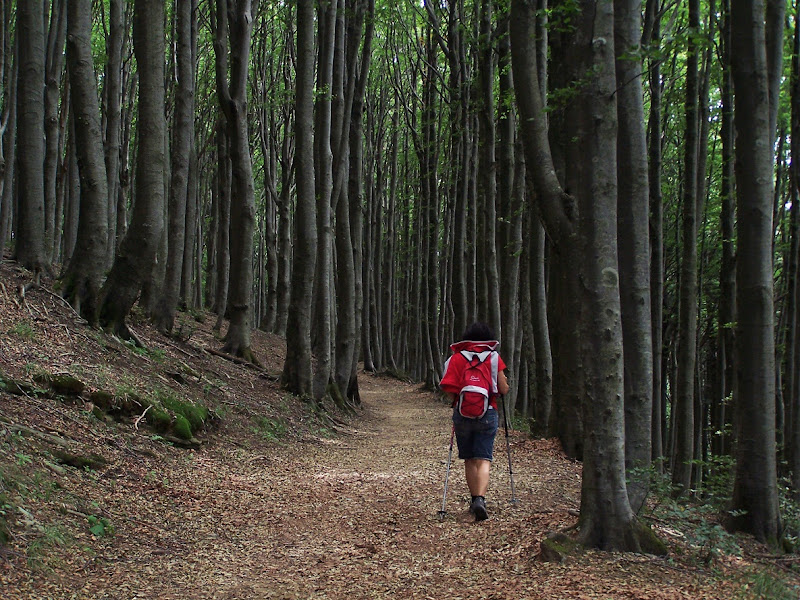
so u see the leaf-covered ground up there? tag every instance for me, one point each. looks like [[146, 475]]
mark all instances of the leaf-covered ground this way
[[278, 501]]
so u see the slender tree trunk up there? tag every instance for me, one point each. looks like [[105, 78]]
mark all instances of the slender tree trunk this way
[[297, 373], [222, 244], [684, 406], [634, 247], [181, 150], [653, 36], [559, 215], [9, 156], [190, 252], [487, 181], [54, 69], [112, 94], [727, 274], [323, 164], [84, 276]]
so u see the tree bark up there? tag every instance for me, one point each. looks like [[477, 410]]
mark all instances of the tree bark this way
[[134, 261], [634, 247], [683, 452], [755, 491], [84, 276], [181, 151], [30, 242], [54, 69], [233, 99], [112, 94], [297, 373]]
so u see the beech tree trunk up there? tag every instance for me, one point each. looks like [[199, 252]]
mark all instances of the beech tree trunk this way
[[84, 276], [634, 247], [112, 95], [233, 100], [134, 261], [297, 373], [684, 403], [54, 69], [181, 151], [30, 243], [755, 491]]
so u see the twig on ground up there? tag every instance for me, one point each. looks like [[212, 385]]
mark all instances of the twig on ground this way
[[140, 417]]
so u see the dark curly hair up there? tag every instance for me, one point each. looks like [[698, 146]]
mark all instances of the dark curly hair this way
[[478, 332]]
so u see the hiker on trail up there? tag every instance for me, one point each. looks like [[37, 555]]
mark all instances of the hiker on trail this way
[[473, 379]]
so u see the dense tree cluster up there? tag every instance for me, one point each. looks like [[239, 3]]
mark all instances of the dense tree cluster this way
[[611, 185]]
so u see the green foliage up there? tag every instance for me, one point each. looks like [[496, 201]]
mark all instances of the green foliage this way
[[51, 537], [271, 429], [790, 512], [758, 584], [698, 522], [24, 330], [100, 526]]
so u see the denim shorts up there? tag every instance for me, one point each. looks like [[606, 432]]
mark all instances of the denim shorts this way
[[475, 437]]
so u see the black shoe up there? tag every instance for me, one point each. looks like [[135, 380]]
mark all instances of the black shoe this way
[[478, 508]]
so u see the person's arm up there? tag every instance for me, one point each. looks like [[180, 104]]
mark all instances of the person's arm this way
[[502, 383]]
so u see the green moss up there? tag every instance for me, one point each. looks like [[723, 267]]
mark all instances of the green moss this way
[[159, 418], [93, 461], [195, 414], [61, 383], [182, 427]]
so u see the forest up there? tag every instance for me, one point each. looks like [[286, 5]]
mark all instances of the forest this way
[[610, 185]]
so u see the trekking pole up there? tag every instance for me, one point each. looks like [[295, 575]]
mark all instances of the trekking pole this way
[[508, 451], [443, 512]]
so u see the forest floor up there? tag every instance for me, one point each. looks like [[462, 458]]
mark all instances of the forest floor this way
[[278, 500]]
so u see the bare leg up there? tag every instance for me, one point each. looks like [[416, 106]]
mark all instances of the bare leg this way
[[477, 473]]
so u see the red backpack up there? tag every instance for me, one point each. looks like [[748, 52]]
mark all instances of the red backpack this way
[[478, 383]]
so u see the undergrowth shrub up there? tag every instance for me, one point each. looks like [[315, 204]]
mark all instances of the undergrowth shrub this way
[[697, 518], [758, 584]]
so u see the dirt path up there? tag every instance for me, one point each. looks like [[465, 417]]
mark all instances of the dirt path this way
[[353, 517]]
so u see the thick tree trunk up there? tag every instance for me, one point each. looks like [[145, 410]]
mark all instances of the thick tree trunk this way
[[297, 373], [755, 491], [606, 519], [134, 261], [84, 275], [30, 232]]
